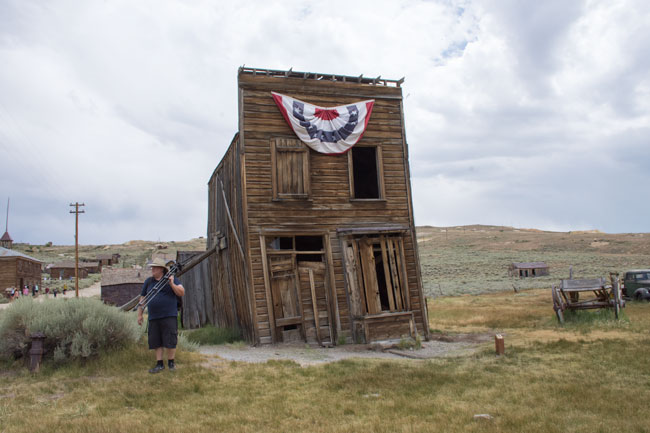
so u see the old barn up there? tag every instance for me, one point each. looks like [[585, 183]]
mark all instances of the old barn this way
[[311, 215], [18, 270]]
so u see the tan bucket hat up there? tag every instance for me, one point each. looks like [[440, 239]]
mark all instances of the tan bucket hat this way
[[161, 263]]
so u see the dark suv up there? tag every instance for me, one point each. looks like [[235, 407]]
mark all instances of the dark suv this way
[[636, 284]]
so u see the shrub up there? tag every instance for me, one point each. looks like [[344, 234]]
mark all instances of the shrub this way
[[74, 328], [209, 335]]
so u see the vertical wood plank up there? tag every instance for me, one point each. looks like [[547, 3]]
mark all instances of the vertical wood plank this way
[[402, 267], [267, 288], [387, 274], [314, 303]]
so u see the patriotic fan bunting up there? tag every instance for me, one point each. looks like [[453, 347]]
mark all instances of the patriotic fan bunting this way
[[331, 130]]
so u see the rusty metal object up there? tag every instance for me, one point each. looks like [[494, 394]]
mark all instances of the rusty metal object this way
[[36, 351], [499, 344]]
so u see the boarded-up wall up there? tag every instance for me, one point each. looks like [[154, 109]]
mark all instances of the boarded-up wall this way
[[231, 302], [197, 302]]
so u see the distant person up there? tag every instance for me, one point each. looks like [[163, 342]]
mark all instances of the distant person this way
[[55, 292], [163, 313], [33, 291], [25, 291], [47, 291]]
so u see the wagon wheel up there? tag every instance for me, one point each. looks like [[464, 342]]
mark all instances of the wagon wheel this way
[[557, 305], [617, 301]]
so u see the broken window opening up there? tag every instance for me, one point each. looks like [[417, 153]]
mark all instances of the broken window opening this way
[[365, 172], [281, 243]]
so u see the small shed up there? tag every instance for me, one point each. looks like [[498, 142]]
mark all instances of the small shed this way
[[108, 259], [65, 270], [18, 270], [528, 269], [91, 267], [121, 285]]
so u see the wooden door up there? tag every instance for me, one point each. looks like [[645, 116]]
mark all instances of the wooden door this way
[[315, 302], [285, 294]]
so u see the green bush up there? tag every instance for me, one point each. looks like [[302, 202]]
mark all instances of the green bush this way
[[209, 335], [74, 328]]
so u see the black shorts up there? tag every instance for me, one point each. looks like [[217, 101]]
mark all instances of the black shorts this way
[[163, 333]]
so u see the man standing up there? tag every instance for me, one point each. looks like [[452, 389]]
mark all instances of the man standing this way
[[163, 312]]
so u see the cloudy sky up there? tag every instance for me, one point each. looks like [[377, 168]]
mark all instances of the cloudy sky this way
[[520, 113]]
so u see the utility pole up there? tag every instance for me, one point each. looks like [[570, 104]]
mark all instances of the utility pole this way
[[76, 211]]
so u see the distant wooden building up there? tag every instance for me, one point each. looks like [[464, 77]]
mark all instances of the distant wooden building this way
[[197, 302], [315, 246], [91, 267], [528, 269], [6, 241], [109, 259], [119, 285], [18, 270], [65, 270]]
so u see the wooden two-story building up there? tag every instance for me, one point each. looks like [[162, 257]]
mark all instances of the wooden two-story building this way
[[316, 242]]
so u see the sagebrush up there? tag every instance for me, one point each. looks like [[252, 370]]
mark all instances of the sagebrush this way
[[74, 328]]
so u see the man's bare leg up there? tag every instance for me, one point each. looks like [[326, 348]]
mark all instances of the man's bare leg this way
[[159, 353], [170, 353]]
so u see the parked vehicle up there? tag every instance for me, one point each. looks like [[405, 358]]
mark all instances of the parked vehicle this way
[[636, 284]]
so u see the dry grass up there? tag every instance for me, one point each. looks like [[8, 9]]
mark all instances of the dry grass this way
[[586, 376], [475, 259], [552, 379]]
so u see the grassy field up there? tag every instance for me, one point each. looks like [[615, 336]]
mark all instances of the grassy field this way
[[590, 375], [475, 259]]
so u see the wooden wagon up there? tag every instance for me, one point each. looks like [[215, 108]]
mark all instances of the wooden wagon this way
[[587, 294]]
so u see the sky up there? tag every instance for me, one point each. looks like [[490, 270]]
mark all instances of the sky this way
[[518, 113]]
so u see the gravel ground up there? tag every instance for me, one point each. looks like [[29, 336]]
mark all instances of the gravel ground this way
[[307, 355]]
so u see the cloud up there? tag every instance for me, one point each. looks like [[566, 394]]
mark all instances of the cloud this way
[[531, 114]]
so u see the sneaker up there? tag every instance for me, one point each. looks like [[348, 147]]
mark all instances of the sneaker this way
[[157, 369], [172, 367]]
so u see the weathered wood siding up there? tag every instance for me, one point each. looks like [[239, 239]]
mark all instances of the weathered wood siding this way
[[197, 302], [330, 206], [231, 302], [14, 270], [120, 294]]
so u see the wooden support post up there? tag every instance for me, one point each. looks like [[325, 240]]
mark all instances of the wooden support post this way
[[76, 211], [314, 303], [499, 344]]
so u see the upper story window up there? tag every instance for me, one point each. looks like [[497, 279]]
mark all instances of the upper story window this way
[[290, 169], [366, 173]]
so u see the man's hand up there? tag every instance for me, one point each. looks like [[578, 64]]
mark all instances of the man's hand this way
[[171, 280], [140, 318]]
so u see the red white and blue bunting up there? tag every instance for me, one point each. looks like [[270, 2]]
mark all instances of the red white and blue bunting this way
[[331, 130]]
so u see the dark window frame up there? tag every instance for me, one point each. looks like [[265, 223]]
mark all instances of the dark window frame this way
[[380, 174]]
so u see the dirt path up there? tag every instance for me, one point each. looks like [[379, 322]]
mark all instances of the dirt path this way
[[306, 355], [94, 290]]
